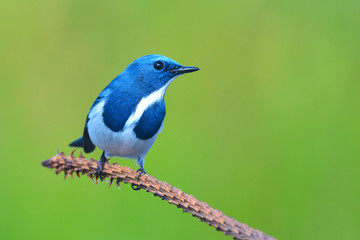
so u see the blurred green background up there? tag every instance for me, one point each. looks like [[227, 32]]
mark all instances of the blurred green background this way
[[267, 131]]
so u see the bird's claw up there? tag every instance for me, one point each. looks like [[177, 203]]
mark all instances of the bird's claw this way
[[100, 167], [140, 171], [99, 170]]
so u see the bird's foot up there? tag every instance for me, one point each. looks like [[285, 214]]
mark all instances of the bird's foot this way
[[100, 167], [140, 171], [99, 170]]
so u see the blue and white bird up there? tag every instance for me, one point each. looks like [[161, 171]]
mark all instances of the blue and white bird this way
[[129, 113]]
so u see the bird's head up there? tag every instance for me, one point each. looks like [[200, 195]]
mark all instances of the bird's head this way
[[155, 71]]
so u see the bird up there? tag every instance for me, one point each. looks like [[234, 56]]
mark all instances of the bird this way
[[127, 116]]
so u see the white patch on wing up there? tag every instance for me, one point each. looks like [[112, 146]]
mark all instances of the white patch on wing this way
[[144, 104]]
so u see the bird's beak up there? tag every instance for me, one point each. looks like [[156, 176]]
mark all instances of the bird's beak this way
[[182, 70]]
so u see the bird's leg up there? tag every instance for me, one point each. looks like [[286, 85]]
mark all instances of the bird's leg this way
[[100, 166], [141, 170]]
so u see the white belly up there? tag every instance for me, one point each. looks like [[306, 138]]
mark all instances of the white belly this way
[[121, 144]]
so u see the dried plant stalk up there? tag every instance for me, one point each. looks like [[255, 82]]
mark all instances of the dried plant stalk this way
[[229, 226]]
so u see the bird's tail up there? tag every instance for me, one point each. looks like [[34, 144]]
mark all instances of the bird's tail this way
[[77, 143]]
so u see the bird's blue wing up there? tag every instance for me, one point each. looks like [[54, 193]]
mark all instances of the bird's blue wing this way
[[118, 107], [151, 121], [88, 145]]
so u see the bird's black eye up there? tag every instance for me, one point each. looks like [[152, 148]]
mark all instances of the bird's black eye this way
[[159, 65]]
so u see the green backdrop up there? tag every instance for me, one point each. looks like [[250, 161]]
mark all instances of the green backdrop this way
[[267, 131]]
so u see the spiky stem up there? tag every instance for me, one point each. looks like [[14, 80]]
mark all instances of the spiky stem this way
[[215, 218]]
